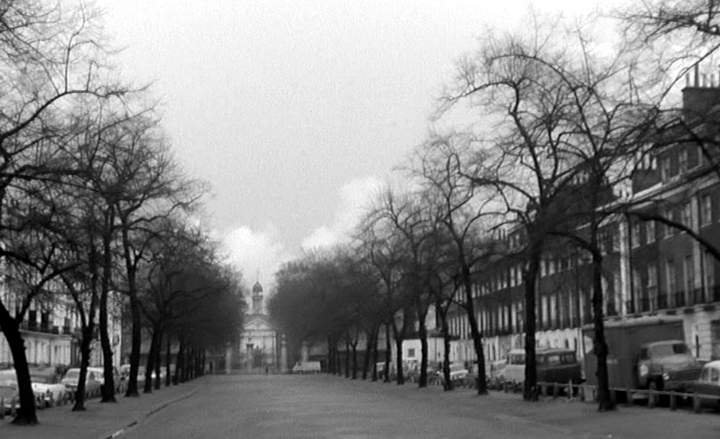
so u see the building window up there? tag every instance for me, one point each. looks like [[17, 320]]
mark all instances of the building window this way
[[615, 238], [665, 168], [686, 217], [650, 232], [635, 235], [710, 276], [706, 210], [700, 155], [636, 282], [670, 277], [682, 160], [689, 274], [652, 284]]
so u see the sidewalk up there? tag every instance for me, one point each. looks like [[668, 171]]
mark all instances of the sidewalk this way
[[99, 420]]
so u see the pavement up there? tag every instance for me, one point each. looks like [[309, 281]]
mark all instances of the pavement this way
[[100, 420], [322, 406]]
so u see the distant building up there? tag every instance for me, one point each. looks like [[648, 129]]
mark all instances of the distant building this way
[[258, 346]]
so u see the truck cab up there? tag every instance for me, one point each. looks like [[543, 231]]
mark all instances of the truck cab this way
[[666, 364]]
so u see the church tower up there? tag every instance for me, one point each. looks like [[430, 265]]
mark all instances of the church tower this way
[[257, 298]]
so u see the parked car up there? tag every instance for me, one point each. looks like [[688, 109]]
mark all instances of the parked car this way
[[125, 374], [708, 383], [667, 365], [306, 367], [92, 380], [8, 392], [46, 384], [554, 365], [457, 372], [495, 372]]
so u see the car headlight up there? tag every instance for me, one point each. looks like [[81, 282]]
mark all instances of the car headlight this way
[[643, 370], [666, 376]]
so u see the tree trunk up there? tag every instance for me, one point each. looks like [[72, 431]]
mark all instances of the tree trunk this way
[[605, 402], [422, 332], [87, 336], [366, 357], [474, 331], [135, 341], [168, 375], [347, 359], [530, 383], [388, 354], [158, 361], [400, 378], [136, 332], [150, 365], [179, 363], [354, 360], [108, 387], [445, 328], [375, 354], [26, 414], [330, 364]]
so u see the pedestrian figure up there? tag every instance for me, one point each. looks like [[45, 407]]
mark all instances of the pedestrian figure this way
[[266, 370]]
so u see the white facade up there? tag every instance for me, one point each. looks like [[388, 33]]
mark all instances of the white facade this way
[[51, 333]]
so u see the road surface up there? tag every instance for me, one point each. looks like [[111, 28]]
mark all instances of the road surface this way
[[321, 406]]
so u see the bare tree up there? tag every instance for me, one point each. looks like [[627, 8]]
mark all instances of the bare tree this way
[[464, 213]]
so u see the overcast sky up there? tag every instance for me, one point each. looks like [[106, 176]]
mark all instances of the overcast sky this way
[[296, 111]]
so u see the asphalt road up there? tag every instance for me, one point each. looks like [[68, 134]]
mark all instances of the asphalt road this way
[[332, 407]]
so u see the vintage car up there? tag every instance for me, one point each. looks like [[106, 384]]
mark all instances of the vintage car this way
[[92, 379], [666, 365], [8, 395], [306, 367], [707, 384], [46, 384], [458, 372], [554, 365]]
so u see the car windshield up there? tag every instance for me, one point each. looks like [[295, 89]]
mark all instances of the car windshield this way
[[72, 374], [664, 350], [516, 359]]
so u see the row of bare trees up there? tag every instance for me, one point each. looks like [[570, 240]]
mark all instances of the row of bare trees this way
[[562, 125], [94, 210]]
